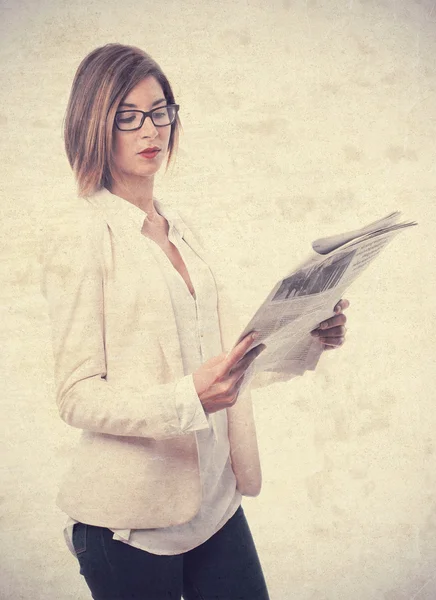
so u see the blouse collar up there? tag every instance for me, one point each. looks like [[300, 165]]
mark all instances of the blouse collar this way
[[132, 214]]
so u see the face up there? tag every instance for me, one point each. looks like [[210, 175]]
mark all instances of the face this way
[[129, 164]]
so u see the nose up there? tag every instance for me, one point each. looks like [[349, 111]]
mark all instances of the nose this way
[[148, 128]]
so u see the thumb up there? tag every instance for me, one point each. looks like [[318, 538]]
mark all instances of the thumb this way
[[216, 360]]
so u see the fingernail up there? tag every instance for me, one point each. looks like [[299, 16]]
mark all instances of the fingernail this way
[[254, 335], [314, 333]]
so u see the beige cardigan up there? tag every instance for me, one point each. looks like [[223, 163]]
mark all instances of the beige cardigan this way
[[117, 368]]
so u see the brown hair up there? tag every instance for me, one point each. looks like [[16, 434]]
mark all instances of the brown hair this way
[[103, 79]]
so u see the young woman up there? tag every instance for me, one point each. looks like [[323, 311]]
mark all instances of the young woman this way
[[167, 448]]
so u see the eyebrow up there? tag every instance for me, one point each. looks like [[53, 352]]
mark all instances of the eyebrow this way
[[155, 103]]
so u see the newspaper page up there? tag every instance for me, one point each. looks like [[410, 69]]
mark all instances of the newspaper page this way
[[305, 297]]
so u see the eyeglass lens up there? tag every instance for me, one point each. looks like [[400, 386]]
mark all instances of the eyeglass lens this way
[[132, 118]]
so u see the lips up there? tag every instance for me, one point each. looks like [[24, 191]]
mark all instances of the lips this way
[[153, 150], [149, 155]]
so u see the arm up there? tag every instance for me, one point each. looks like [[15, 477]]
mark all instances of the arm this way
[[72, 283]]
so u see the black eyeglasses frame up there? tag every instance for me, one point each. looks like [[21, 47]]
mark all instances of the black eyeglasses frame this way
[[145, 115]]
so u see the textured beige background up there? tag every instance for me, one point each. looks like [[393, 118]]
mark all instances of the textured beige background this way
[[301, 118]]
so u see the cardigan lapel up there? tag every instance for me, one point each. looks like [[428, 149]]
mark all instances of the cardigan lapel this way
[[148, 278]]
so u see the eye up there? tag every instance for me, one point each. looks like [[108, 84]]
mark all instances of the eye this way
[[128, 117], [160, 113]]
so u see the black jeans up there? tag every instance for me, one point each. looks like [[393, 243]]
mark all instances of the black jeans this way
[[225, 567]]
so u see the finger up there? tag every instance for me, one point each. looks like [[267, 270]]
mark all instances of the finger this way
[[343, 304], [325, 348], [241, 368], [222, 373], [238, 352], [216, 360], [248, 358], [225, 390], [338, 331], [333, 322], [236, 390], [335, 342]]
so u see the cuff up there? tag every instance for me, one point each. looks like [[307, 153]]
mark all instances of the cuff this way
[[189, 408]]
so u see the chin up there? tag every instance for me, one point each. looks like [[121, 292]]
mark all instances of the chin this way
[[146, 170]]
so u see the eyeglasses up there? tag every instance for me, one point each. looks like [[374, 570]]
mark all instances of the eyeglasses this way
[[129, 120]]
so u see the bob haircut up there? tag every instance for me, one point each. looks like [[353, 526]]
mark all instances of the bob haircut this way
[[103, 79]]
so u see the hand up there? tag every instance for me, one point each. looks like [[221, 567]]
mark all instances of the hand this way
[[331, 333], [218, 380]]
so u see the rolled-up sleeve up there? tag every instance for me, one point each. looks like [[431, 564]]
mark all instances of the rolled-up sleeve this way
[[189, 408]]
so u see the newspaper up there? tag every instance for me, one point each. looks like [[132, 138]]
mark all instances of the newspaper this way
[[305, 297]]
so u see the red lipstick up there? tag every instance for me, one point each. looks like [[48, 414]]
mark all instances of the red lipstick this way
[[150, 152]]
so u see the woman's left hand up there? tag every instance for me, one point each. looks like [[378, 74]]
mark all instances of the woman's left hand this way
[[331, 333]]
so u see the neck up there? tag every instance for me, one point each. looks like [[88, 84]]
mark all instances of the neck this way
[[139, 193]]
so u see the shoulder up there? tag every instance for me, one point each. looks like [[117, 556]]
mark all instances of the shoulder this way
[[80, 221], [73, 234]]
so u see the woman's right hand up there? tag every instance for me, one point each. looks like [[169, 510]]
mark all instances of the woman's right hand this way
[[218, 380]]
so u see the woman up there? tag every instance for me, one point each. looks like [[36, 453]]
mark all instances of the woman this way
[[167, 448]]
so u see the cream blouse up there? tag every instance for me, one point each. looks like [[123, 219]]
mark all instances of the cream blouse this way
[[220, 498]]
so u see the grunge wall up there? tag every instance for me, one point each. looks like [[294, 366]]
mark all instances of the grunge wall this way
[[301, 119]]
